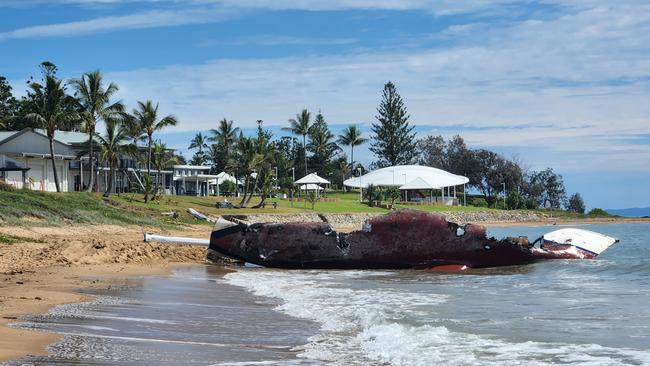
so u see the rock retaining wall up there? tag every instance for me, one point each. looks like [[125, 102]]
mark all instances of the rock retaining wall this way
[[354, 219]]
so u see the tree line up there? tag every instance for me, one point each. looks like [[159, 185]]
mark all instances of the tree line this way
[[275, 161]]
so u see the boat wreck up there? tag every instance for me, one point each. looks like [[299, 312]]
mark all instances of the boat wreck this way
[[398, 240]]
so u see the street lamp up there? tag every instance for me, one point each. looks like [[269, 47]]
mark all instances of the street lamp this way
[[360, 186], [504, 195], [293, 182]]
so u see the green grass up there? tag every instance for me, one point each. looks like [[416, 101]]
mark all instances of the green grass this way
[[24, 207], [11, 239], [21, 207], [344, 203]]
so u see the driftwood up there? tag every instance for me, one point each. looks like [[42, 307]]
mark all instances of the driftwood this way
[[199, 215]]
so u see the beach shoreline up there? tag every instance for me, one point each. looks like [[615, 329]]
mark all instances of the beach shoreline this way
[[44, 266], [47, 264]]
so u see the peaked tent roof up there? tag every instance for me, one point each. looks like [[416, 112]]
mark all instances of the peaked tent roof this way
[[223, 176], [398, 175], [312, 178], [417, 183]]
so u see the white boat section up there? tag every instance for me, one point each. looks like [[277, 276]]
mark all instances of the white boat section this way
[[175, 239], [583, 239]]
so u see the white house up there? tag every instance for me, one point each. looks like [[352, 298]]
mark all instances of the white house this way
[[31, 148]]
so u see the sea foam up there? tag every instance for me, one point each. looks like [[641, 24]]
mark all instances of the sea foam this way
[[362, 325]]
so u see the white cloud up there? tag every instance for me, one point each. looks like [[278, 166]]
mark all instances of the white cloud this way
[[146, 19], [583, 76]]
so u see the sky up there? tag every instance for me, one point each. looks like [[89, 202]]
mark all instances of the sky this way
[[561, 84]]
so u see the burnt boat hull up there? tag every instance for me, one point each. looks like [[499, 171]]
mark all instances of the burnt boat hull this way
[[403, 239]]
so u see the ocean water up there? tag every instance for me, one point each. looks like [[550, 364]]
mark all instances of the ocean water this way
[[573, 312]]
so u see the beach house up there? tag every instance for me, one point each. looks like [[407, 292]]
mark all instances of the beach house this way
[[30, 148]]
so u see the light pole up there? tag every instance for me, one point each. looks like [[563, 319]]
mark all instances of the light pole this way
[[293, 176], [504, 195], [406, 192], [360, 186]]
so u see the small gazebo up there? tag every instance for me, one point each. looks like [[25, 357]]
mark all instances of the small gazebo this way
[[312, 182], [417, 184]]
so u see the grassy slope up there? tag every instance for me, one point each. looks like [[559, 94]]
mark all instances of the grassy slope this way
[[29, 207], [41, 208], [345, 203]]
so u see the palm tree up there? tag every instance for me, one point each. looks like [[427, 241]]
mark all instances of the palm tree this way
[[300, 126], [351, 136], [199, 142], [95, 102], [162, 158], [113, 145], [322, 146], [246, 160], [145, 122], [49, 112], [224, 138]]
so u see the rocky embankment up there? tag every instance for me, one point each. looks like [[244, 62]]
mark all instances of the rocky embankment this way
[[357, 219]]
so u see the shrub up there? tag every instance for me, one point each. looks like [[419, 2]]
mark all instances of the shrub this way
[[227, 186], [6, 187], [515, 201], [392, 194], [576, 204], [531, 204], [598, 212], [479, 202], [372, 194]]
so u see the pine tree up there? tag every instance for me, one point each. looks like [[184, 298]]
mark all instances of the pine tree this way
[[394, 142]]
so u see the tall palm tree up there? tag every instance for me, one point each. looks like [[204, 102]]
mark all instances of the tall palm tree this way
[[112, 145], [145, 122], [351, 136], [95, 102], [246, 159], [300, 126], [224, 137], [49, 112], [199, 142], [322, 146], [162, 157]]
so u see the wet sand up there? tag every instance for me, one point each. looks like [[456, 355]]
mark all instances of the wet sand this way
[[41, 270]]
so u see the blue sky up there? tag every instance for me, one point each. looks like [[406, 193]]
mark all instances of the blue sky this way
[[564, 84]]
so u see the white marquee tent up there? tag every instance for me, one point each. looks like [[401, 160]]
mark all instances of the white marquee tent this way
[[409, 177], [400, 175]]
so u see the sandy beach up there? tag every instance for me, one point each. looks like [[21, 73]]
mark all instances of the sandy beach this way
[[45, 264], [41, 270]]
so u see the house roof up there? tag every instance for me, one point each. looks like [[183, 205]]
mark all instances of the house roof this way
[[194, 167], [6, 134], [67, 137]]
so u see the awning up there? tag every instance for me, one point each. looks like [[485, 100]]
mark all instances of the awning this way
[[11, 165]]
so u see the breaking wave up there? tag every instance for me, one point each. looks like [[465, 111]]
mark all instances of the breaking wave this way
[[373, 322]]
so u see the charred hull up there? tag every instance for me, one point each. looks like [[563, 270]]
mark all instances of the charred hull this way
[[402, 239]]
